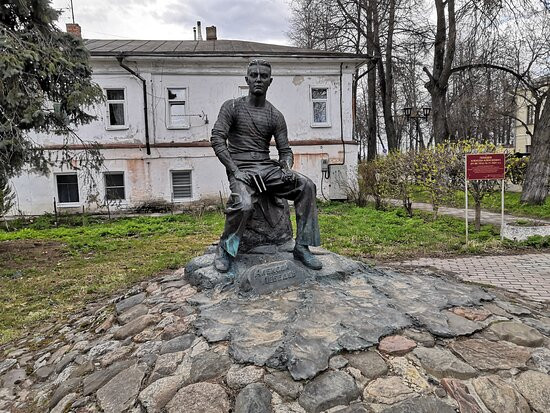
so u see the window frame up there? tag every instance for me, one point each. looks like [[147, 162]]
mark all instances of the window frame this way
[[242, 91], [181, 199], [58, 199], [120, 200], [108, 125], [187, 124], [314, 124]]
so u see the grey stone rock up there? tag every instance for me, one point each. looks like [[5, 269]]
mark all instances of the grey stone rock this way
[[254, 398], [541, 359], [125, 304], [64, 403], [535, 387], [65, 361], [283, 384], [421, 337], [387, 390], [180, 343], [442, 363], [517, 333], [7, 364], [330, 389], [135, 326], [241, 376], [44, 372], [199, 398], [354, 408], [155, 396], [66, 387], [490, 356], [513, 308], [542, 324], [148, 348], [499, 396], [370, 363], [338, 362], [121, 391], [424, 404], [102, 348], [132, 313], [208, 365], [201, 261], [97, 379], [206, 278], [83, 370], [13, 378], [166, 364]]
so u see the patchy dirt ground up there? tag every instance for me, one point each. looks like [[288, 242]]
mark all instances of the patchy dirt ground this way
[[24, 254]]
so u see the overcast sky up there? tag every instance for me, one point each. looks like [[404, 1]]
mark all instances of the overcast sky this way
[[256, 20]]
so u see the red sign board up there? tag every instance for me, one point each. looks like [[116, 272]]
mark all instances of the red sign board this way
[[485, 166]]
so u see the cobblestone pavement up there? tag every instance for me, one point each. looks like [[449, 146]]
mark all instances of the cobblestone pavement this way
[[527, 274]]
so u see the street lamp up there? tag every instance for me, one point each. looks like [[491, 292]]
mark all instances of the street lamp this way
[[415, 114]]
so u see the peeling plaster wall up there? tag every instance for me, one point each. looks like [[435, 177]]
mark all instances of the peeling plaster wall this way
[[209, 84]]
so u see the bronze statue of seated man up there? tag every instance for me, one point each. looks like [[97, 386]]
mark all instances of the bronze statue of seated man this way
[[240, 139]]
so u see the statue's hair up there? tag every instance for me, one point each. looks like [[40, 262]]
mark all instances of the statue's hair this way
[[259, 62]]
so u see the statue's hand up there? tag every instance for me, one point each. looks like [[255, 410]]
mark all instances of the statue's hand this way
[[288, 175], [243, 177]]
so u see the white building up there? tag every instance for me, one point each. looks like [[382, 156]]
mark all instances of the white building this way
[[156, 147]]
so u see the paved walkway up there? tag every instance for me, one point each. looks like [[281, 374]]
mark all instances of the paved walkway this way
[[527, 274], [486, 216]]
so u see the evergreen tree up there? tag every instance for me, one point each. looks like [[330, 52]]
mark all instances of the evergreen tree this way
[[45, 84]]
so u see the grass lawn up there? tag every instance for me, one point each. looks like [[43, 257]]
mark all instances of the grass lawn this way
[[47, 273], [512, 204]]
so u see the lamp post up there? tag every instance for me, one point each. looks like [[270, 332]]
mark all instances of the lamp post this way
[[416, 114]]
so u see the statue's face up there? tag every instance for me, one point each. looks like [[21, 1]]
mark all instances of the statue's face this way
[[258, 78]]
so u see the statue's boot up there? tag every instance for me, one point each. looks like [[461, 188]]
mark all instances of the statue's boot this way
[[222, 260], [303, 254]]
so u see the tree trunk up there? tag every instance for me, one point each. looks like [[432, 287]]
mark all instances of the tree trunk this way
[[371, 88], [444, 51], [537, 176], [385, 72], [477, 222], [439, 114]]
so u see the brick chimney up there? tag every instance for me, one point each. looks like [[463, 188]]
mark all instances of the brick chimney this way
[[74, 29], [211, 33]]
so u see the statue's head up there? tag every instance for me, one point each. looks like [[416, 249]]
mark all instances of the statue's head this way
[[258, 76]]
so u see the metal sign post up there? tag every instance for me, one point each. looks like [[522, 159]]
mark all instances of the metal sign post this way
[[485, 166], [466, 195]]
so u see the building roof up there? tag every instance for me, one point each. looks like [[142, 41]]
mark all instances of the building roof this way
[[204, 48]]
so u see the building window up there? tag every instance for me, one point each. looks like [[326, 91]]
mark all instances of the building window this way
[[114, 186], [319, 100], [243, 91], [67, 188], [530, 115], [177, 115], [527, 148], [181, 184], [116, 108]]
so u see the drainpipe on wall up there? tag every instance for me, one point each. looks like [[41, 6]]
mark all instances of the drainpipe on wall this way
[[146, 117], [343, 162]]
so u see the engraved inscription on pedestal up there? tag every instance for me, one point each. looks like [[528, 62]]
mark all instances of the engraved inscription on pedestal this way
[[264, 278]]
